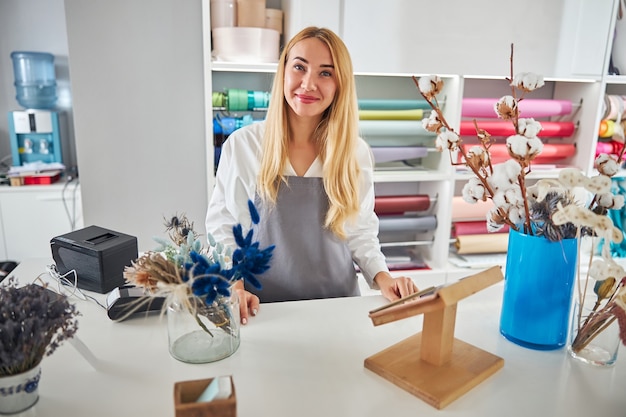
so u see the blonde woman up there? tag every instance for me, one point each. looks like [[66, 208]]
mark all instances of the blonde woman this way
[[311, 177]]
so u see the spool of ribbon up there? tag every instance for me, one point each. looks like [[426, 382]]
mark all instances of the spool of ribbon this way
[[607, 127], [506, 128], [611, 148], [484, 107]]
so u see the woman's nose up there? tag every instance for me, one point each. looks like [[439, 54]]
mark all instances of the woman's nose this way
[[307, 82]]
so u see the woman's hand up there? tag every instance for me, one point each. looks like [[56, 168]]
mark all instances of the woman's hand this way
[[394, 288], [248, 302]]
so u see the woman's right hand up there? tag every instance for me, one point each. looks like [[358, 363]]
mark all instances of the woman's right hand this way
[[248, 302]]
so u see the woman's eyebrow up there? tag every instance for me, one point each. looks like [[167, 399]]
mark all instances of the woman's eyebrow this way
[[299, 58]]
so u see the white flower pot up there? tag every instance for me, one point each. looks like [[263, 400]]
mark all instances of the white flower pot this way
[[19, 392]]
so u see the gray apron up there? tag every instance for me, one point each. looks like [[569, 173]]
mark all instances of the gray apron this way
[[309, 261]]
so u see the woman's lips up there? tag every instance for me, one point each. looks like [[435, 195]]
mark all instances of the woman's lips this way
[[306, 99]]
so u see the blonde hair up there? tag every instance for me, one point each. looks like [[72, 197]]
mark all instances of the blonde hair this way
[[336, 135]]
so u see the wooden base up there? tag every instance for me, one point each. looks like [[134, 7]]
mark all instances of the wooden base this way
[[437, 385]]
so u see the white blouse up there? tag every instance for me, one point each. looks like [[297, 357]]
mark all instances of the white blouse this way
[[236, 183]]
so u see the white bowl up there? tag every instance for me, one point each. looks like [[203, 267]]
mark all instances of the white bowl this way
[[245, 44]]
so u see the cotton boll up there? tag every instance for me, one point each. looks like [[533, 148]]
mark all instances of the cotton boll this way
[[605, 200], [535, 146], [517, 146], [527, 81], [506, 108], [477, 157], [618, 202], [606, 165], [447, 140], [474, 191], [430, 86], [432, 123], [529, 127]]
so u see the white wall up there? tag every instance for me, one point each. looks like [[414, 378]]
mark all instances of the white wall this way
[[136, 70]]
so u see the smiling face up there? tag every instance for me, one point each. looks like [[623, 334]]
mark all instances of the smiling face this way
[[309, 82]]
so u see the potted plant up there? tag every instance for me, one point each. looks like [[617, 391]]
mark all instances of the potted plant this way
[[34, 321]]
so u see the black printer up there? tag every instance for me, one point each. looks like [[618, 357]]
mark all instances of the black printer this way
[[98, 256]]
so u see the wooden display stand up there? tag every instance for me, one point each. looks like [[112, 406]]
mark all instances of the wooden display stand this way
[[433, 364]]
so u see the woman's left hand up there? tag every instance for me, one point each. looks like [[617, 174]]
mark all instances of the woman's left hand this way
[[394, 288]]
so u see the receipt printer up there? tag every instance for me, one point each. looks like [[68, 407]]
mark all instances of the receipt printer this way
[[97, 255]]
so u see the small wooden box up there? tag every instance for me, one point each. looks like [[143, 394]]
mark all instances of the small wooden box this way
[[187, 392]]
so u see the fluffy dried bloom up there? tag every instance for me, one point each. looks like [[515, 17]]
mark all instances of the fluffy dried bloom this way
[[474, 191], [606, 165], [504, 175], [432, 123], [523, 148], [527, 81], [511, 196], [495, 222], [430, 86], [529, 128], [506, 108], [447, 140], [477, 157], [610, 201]]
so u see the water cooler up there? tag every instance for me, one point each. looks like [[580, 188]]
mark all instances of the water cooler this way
[[35, 132]]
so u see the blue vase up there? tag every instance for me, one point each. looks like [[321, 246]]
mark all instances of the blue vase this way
[[538, 286]]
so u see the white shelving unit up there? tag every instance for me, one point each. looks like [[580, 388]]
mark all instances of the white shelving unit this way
[[390, 79]]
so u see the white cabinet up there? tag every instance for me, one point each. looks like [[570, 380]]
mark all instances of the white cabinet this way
[[392, 40], [32, 215]]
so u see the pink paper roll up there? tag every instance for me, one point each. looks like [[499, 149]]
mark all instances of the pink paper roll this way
[[464, 211], [401, 204], [611, 148], [478, 227], [552, 152], [506, 128], [484, 107]]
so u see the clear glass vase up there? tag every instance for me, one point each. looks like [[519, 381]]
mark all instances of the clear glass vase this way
[[599, 349], [199, 333]]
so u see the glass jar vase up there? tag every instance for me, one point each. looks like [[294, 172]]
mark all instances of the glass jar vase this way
[[199, 333], [586, 343]]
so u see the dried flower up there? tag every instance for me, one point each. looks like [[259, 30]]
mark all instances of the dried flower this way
[[34, 322], [183, 271]]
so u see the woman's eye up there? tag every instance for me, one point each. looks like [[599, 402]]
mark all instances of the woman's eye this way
[[326, 74], [299, 67]]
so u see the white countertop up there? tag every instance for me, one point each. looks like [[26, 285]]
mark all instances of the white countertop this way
[[307, 359]]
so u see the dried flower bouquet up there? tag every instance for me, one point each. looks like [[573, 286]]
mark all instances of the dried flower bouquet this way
[[548, 208]]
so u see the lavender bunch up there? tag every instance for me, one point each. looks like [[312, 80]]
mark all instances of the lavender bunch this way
[[33, 323]]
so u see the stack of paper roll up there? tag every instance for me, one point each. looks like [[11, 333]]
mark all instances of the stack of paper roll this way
[[470, 229]]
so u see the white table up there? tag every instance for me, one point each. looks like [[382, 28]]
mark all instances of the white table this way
[[306, 359]]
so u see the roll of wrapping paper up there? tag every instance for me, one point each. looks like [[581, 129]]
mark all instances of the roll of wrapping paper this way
[[400, 204], [484, 107], [483, 243], [552, 152], [611, 148], [464, 211], [398, 153], [506, 128], [407, 224], [477, 227], [376, 104], [393, 128], [413, 114]]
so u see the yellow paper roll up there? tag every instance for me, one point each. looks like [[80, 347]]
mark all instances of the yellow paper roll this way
[[413, 114], [485, 243]]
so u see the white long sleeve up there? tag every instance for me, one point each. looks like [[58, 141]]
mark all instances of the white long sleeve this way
[[236, 183]]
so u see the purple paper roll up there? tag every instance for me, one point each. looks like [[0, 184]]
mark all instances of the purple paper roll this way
[[484, 107], [398, 153]]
